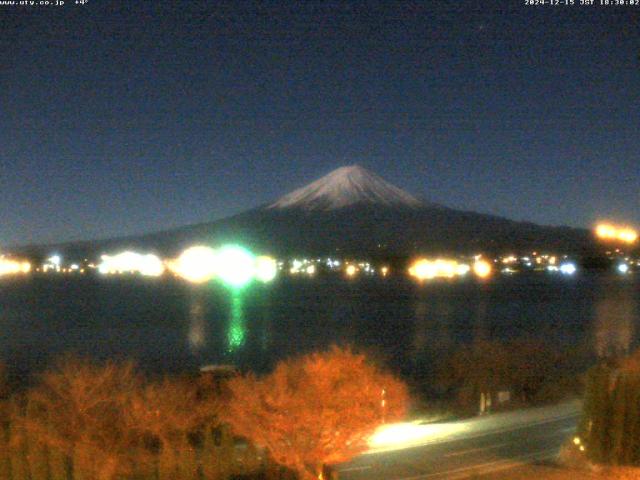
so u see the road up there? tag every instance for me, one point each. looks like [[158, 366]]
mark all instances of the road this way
[[472, 448]]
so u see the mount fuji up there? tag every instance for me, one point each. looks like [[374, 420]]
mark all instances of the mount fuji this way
[[344, 187], [352, 211]]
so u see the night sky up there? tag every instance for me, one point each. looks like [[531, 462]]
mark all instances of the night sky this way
[[122, 117]]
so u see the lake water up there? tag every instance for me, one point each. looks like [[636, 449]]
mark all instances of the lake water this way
[[168, 326]]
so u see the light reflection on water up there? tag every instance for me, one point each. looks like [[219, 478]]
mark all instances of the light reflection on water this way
[[197, 325], [615, 318], [199, 331], [236, 332], [168, 326]]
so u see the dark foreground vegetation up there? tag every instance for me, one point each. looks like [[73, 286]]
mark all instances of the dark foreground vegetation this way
[[491, 375], [83, 420], [87, 421], [610, 429]]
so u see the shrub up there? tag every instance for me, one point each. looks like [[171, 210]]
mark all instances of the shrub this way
[[315, 410]]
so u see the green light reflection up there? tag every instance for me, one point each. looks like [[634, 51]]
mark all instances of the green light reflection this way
[[237, 329]]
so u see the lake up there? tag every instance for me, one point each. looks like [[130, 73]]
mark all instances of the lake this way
[[168, 326]]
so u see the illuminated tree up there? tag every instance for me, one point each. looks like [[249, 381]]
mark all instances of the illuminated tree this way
[[79, 408], [167, 413], [622, 473], [315, 410]]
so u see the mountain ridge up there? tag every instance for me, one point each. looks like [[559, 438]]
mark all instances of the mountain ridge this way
[[352, 211]]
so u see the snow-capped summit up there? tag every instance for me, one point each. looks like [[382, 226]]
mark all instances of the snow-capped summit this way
[[343, 187]]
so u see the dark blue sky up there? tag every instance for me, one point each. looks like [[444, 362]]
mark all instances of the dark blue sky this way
[[122, 117]]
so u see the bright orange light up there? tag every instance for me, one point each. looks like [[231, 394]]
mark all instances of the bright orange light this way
[[351, 270], [628, 235], [425, 269], [385, 271], [606, 231], [422, 269], [12, 267], [482, 268]]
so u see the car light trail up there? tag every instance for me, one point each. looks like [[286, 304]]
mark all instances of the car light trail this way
[[398, 436]]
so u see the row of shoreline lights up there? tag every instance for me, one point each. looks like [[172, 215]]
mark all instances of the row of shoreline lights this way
[[12, 267], [233, 265], [426, 269], [236, 266]]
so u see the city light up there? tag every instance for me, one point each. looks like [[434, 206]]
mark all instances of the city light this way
[[332, 264], [463, 269], [196, 264], [266, 268], [131, 262], [482, 268], [351, 270], [234, 265], [151, 266], [425, 269], [13, 267], [568, 268], [623, 268], [422, 269], [610, 232], [53, 263], [305, 266]]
